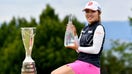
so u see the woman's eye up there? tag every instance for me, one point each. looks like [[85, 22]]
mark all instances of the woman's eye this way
[[93, 11]]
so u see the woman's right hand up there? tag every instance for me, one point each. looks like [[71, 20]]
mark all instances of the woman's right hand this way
[[75, 47]]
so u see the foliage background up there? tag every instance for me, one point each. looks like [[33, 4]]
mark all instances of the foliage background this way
[[49, 51]]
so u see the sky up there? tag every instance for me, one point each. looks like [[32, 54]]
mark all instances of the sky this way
[[112, 10]]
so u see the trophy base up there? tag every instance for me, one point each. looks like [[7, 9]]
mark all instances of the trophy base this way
[[28, 68]]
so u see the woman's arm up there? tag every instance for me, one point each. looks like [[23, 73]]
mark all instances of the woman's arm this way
[[97, 42]]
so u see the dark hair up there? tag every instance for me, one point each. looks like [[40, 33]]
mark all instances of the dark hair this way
[[99, 15]]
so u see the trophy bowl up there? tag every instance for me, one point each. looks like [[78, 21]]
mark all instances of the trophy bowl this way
[[28, 66]]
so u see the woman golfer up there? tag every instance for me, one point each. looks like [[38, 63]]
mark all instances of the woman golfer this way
[[89, 45]]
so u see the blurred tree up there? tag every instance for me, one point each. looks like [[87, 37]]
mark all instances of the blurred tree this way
[[117, 59], [3, 33], [9, 62], [130, 19]]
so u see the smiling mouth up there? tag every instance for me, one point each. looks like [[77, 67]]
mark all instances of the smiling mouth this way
[[89, 18]]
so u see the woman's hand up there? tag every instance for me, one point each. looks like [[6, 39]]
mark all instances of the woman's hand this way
[[75, 46]]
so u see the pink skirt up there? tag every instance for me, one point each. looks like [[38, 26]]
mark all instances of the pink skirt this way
[[80, 67]]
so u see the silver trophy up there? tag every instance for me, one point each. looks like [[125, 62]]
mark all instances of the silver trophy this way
[[28, 66]]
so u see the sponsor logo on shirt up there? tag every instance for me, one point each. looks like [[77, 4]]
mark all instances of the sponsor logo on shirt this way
[[90, 31]]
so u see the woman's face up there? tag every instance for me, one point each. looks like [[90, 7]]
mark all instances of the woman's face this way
[[92, 15]]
